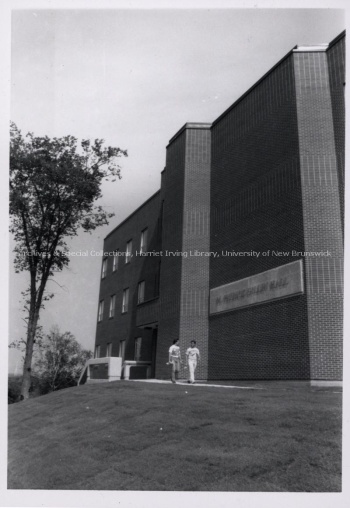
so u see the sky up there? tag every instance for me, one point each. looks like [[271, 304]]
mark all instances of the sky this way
[[134, 78]]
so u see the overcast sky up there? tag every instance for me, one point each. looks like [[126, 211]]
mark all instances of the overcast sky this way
[[133, 78]]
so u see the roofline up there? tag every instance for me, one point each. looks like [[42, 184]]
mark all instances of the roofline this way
[[190, 125], [312, 48], [254, 86], [203, 125], [132, 213], [320, 47], [337, 39]]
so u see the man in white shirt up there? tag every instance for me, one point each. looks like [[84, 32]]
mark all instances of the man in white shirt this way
[[175, 360], [193, 356]]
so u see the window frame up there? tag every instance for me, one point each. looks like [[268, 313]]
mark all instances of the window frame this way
[[137, 348], [100, 313], [128, 252], [125, 301], [109, 348], [141, 292], [97, 353], [143, 240], [112, 307], [122, 344], [115, 261], [104, 268]]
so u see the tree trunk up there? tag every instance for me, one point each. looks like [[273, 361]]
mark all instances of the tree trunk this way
[[27, 367], [34, 308], [36, 298]]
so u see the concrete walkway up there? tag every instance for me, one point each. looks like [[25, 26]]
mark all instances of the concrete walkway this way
[[255, 385], [198, 383]]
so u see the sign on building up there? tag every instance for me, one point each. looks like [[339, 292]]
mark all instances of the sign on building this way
[[286, 280]]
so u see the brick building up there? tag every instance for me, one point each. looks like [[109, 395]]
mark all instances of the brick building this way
[[242, 247]]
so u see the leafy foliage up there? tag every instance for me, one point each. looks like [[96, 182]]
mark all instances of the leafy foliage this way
[[53, 190], [61, 361], [54, 186]]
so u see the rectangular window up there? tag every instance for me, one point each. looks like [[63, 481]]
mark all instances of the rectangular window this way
[[122, 349], [141, 292], [100, 310], [143, 242], [104, 268], [109, 349], [128, 251], [138, 342], [115, 261], [97, 351], [125, 303], [112, 306]]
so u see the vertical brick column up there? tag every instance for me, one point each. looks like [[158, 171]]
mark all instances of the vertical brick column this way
[[195, 243], [321, 212], [184, 279], [172, 196]]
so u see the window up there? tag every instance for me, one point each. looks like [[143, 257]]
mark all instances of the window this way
[[122, 349], [138, 343], [97, 351], [125, 303], [141, 292], [128, 251], [109, 349], [104, 268], [100, 310], [112, 306], [115, 261], [143, 242]]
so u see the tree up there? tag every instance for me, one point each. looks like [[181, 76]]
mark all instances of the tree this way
[[54, 186], [61, 361]]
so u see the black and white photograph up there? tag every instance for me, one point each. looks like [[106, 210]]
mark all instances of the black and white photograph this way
[[173, 220]]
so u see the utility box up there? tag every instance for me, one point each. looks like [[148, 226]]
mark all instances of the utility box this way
[[101, 370]]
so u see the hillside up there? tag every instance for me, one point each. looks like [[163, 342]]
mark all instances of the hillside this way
[[148, 436]]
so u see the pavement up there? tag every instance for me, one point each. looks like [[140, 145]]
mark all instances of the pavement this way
[[251, 385], [198, 383]]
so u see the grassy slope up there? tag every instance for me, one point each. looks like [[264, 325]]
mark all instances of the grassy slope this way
[[137, 436]]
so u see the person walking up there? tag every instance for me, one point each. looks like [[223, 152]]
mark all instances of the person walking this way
[[193, 356], [175, 360]]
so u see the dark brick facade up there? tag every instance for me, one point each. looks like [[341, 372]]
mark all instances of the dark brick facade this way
[[184, 279], [123, 325], [266, 177], [321, 212], [336, 65], [256, 206]]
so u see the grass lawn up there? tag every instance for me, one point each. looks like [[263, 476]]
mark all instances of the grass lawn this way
[[145, 436]]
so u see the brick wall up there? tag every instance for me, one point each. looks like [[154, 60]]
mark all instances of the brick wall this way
[[267, 177], [321, 211], [256, 206], [123, 326], [195, 268], [184, 280], [172, 192], [336, 64]]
